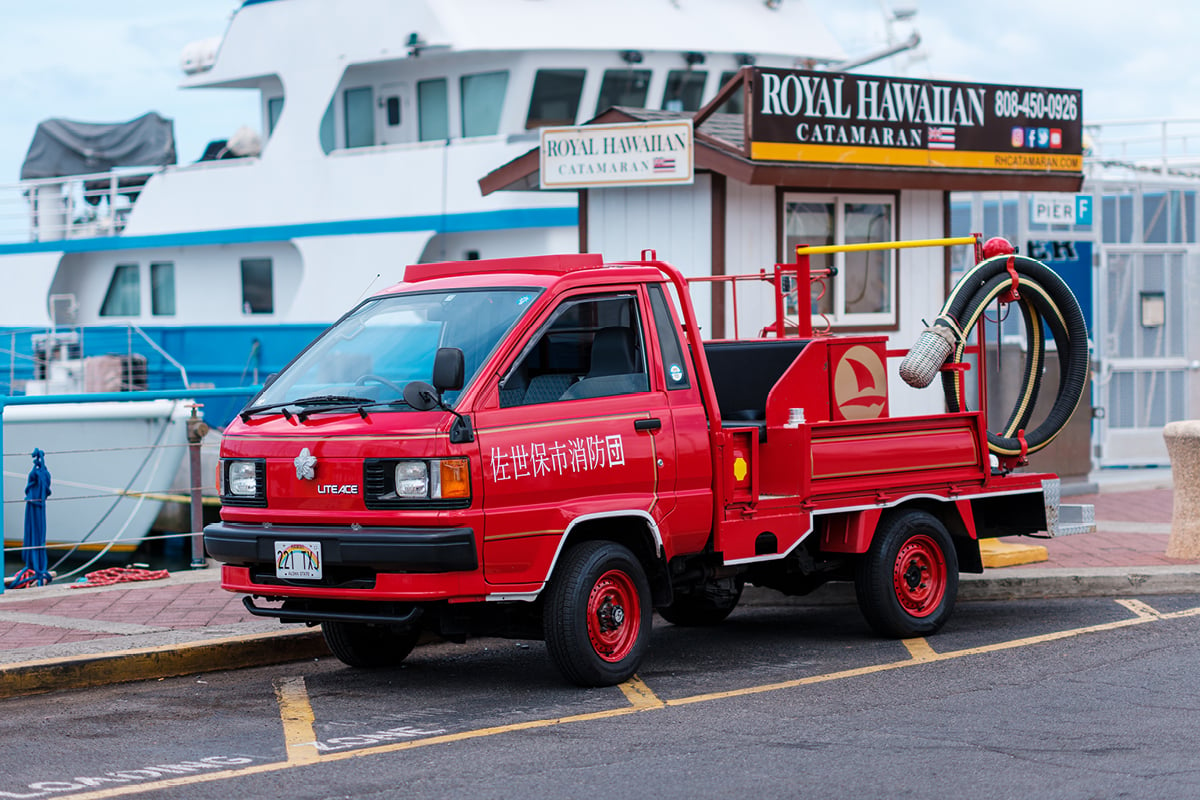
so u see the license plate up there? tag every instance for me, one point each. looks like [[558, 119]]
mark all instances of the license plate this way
[[298, 560]]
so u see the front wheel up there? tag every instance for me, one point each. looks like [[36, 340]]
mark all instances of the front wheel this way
[[358, 644], [907, 581], [597, 614]]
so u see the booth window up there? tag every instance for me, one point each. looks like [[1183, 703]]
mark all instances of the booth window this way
[[433, 110], [623, 87], [555, 98], [258, 291], [360, 117], [863, 292], [123, 298], [162, 289], [482, 102]]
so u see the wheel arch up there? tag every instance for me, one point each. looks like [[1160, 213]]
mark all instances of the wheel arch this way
[[636, 531], [961, 528]]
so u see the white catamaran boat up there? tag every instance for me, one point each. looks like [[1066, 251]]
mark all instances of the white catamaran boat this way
[[378, 118]]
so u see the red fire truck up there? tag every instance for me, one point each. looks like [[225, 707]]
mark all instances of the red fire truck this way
[[545, 448]]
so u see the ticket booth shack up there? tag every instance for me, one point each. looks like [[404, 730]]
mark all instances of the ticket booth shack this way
[[782, 158]]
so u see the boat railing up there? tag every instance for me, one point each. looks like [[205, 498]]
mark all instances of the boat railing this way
[[63, 358], [1167, 146], [71, 207]]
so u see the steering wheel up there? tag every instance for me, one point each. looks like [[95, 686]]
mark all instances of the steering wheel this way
[[363, 380]]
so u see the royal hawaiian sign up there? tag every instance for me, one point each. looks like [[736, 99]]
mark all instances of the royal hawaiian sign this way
[[623, 154], [846, 119]]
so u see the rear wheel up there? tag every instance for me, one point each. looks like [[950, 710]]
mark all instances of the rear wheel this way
[[359, 644], [908, 580], [597, 614]]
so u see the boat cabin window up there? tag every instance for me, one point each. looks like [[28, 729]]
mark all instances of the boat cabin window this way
[[162, 289], [737, 102], [258, 291], [482, 102], [623, 87], [433, 110], [124, 295], [555, 99], [685, 87], [274, 109], [360, 117]]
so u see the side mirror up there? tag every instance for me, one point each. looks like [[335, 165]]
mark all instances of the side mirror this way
[[448, 368], [421, 396]]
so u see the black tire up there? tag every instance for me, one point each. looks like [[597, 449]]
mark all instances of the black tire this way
[[702, 608], [597, 614], [358, 644], [907, 581]]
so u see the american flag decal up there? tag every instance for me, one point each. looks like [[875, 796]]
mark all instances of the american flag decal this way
[[941, 138], [664, 164]]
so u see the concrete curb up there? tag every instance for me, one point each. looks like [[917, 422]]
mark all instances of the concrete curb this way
[[166, 661]]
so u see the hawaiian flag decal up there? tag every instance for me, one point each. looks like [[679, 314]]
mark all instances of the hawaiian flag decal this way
[[941, 138], [664, 165]]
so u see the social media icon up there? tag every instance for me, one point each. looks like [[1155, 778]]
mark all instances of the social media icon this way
[[1043, 137], [1018, 137]]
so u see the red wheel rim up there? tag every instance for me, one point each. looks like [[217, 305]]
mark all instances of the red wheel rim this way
[[614, 616], [920, 576]]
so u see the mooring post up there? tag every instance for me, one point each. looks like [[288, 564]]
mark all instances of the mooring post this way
[[196, 429]]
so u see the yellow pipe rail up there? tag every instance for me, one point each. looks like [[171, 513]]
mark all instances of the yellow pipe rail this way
[[850, 248]]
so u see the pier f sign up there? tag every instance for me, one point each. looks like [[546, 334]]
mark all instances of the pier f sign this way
[[625, 154], [848, 119]]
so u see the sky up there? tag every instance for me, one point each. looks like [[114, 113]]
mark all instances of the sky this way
[[110, 62]]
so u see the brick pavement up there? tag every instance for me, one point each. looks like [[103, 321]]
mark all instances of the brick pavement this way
[[125, 609], [1132, 530]]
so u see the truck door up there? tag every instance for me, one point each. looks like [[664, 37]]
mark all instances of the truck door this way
[[573, 432]]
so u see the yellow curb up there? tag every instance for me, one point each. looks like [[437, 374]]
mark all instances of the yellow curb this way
[[168, 661], [996, 553]]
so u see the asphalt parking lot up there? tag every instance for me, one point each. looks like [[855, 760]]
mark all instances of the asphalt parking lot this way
[[775, 695]]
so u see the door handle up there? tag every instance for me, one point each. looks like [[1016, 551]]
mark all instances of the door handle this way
[[652, 424]]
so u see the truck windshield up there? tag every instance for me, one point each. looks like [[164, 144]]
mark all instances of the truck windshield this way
[[373, 352]]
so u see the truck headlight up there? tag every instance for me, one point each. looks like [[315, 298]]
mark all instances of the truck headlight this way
[[412, 480], [438, 479], [243, 478]]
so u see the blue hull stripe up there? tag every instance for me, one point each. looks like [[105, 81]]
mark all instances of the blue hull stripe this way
[[439, 223]]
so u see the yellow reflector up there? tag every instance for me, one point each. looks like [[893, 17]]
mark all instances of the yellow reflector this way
[[456, 478]]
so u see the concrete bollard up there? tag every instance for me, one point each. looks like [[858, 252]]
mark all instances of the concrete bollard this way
[[1183, 446]]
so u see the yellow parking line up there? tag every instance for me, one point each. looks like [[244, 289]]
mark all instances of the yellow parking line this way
[[1139, 608], [920, 650], [640, 696], [295, 711]]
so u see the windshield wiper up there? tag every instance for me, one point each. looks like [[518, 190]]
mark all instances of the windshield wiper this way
[[358, 404], [315, 400]]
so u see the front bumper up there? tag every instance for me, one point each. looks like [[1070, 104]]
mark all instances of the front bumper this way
[[421, 550]]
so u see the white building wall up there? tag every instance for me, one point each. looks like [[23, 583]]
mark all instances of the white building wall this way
[[674, 221], [922, 283]]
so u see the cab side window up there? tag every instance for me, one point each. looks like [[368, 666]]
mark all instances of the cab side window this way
[[590, 347]]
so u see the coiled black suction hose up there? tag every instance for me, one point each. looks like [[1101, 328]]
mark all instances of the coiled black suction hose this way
[[1044, 296]]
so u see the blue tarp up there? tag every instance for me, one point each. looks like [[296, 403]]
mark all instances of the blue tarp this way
[[37, 489]]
